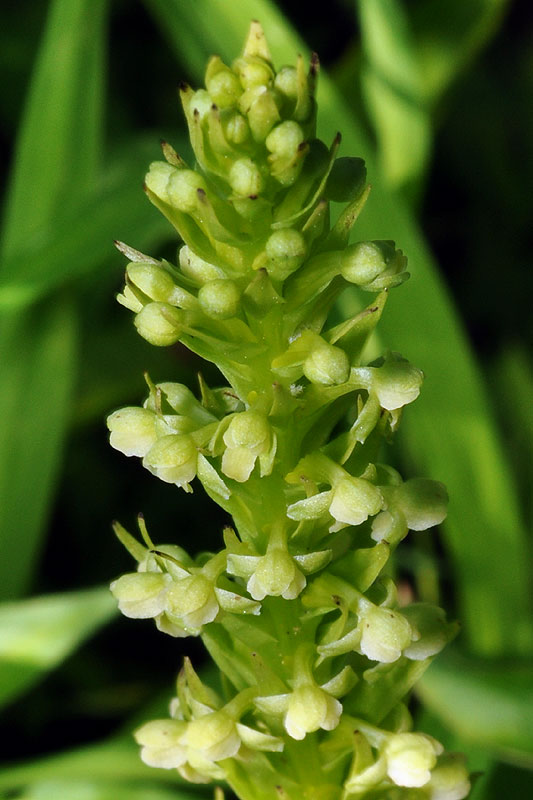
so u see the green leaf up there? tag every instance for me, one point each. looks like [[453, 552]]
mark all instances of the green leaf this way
[[37, 368], [37, 634], [486, 702], [113, 760], [81, 244], [448, 37], [392, 85], [59, 140], [51, 170], [91, 790]]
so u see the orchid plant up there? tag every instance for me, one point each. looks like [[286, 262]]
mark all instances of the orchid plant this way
[[298, 609]]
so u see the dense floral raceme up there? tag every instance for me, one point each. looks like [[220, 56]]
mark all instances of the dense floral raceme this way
[[297, 609]]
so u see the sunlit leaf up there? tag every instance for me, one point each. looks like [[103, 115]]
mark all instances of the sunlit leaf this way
[[392, 85], [37, 634], [37, 368], [59, 141], [488, 703]]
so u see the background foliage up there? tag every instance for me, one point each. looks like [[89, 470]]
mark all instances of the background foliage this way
[[436, 96]]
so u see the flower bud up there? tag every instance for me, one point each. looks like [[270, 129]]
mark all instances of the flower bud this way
[[153, 280], [182, 189], [362, 262], [327, 365], [449, 779], [247, 437], [429, 623], [286, 82], [373, 265], [260, 106], [141, 595], [253, 72], [245, 178], [157, 179], [224, 88], [236, 128], [173, 458], [423, 503], [284, 139], [129, 300], [220, 299], [159, 324], [196, 268], [161, 743], [132, 430], [276, 574], [410, 758], [385, 633], [396, 383], [215, 736], [285, 250], [354, 500], [309, 709], [201, 102], [192, 600]]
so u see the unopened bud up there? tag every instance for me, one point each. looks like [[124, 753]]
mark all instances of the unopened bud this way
[[141, 595], [192, 600], [173, 458], [220, 299], [153, 281], [285, 139], [429, 623], [157, 179], [327, 365], [236, 128], [159, 323], [410, 758], [311, 708], [276, 575], [362, 262], [423, 502], [354, 500], [247, 437], [286, 82], [224, 88], [132, 430], [253, 72], [182, 189], [449, 779], [161, 743], [201, 102], [396, 382], [214, 735], [285, 250], [385, 633], [245, 178], [374, 265], [196, 268]]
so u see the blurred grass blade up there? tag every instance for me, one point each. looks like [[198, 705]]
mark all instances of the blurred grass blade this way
[[449, 433], [37, 369], [393, 89], [113, 760], [37, 634], [55, 162], [92, 790], [83, 242], [59, 140], [449, 35], [488, 703]]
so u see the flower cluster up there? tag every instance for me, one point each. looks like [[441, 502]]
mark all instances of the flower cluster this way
[[298, 609]]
